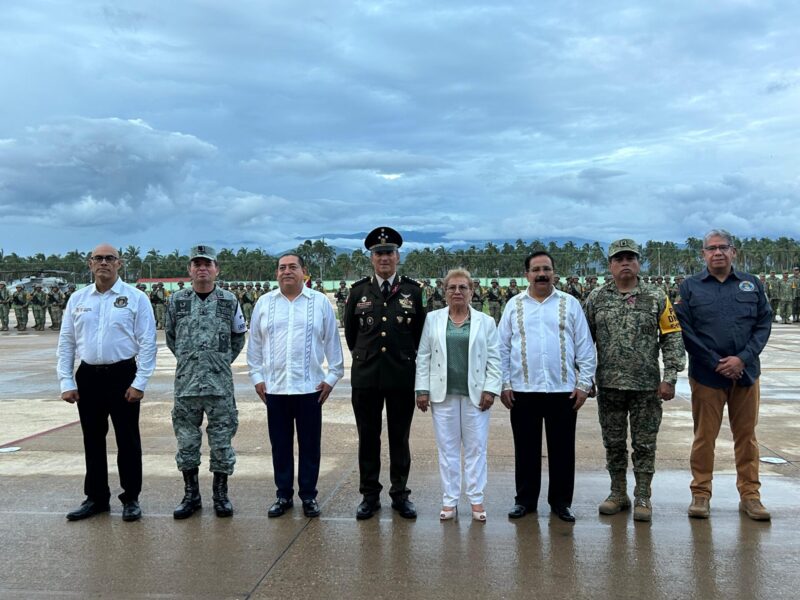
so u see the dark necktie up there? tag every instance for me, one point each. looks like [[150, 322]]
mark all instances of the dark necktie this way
[[385, 289]]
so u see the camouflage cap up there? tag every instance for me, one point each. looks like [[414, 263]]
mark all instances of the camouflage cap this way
[[3, 283], [203, 252], [495, 281], [623, 245]]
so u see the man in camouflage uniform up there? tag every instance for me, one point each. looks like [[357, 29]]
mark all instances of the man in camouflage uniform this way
[[158, 298], [477, 295], [512, 290], [341, 299], [574, 288], [257, 292], [248, 300], [494, 297], [55, 305], [436, 300], [319, 287], [786, 298], [20, 302], [71, 290], [795, 279], [630, 322], [39, 307], [205, 331], [773, 289], [5, 306]]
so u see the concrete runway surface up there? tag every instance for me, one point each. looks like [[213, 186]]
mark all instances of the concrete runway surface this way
[[250, 556]]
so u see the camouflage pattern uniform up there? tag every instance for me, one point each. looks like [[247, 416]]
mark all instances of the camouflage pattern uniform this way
[[56, 305], [494, 298], [773, 286], [437, 296], [205, 336], [39, 307], [786, 298], [319, 287], [512, 290], [477, 296], [20, 302], [5, 306], [341, 299], [629, 330], [247, 300], [158, 298], [574, 288], [795, 280]]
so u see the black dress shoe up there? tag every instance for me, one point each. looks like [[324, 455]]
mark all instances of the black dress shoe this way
[[131, 511], [405, 508], [564, 513], [367, 509], [280, 507], [518, 511], [88, 508], [311, 508]]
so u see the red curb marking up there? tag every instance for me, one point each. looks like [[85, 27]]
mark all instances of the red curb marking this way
[[35, 435]]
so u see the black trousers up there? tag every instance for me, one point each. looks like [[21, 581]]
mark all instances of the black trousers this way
[[368, 408], [527, 415], [283, 412], [102, 395]]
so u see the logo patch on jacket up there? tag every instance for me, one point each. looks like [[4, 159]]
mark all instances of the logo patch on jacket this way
[[121, 302]]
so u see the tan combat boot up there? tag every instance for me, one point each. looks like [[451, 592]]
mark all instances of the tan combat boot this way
[[642, 509], [618, 498], [700, 508], [753, 508]]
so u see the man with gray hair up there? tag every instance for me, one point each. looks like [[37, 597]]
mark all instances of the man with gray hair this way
[[726, 320]]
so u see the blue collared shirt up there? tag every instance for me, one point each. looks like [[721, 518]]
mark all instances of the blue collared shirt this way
[[720, 319]]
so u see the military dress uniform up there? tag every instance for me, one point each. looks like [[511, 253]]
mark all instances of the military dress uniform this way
[[206, 336], [5, 305], [629, 330], [20, 302], [383, 333]]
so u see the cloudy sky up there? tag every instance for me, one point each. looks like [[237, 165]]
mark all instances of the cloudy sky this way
[[261, 123]]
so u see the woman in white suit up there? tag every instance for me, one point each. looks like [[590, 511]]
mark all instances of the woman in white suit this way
[[458, 376]]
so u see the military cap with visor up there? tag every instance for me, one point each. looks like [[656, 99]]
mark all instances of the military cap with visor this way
[[383, 239], [623, 245], [203, 252]]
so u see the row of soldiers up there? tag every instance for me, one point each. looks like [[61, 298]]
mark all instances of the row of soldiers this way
[[248, 294], [39, 302], [783, 294]]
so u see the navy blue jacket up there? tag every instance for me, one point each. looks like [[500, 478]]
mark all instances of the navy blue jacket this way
[[720, 319]]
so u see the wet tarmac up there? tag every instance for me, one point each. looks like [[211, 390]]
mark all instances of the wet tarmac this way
[[250, 556]]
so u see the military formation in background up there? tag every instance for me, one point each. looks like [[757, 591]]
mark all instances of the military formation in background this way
[[782, 289]]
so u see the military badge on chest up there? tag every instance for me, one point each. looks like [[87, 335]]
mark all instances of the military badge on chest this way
[[405, 302]]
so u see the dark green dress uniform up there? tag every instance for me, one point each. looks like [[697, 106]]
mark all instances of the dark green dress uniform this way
[[383, 335]]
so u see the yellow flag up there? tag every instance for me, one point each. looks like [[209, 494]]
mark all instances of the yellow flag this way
[[668, 323]]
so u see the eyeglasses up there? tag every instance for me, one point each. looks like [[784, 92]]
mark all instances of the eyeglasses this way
[[720, 247], [109, 258], [457, 288]]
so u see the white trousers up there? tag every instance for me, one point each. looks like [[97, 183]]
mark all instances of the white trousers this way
[[457, 422]]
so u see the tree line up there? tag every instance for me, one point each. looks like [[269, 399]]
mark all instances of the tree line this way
[[658, 258]]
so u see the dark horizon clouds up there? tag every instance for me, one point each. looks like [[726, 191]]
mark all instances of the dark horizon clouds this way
[[264, 123]]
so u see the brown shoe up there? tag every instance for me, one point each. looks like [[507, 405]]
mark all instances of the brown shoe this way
[[753, 508], [699, 508], [642, 510]]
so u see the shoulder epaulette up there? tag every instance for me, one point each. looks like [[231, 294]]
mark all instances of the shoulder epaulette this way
[[360, 281], [407, 279]]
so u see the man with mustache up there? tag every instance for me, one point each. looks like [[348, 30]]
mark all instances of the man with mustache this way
[[631, 323], [292, 335], [548, 361], [383, 321]]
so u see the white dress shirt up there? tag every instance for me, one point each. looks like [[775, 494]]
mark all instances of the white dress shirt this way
[[102, 328], [290, 339], [546, 346]]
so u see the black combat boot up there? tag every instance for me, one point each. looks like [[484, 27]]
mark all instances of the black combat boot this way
[[222, 506], [191, 499]]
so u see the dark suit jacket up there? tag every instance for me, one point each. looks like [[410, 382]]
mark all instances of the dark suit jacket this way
[[383, 335]]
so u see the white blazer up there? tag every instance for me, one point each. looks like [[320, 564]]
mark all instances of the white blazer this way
[[484, 356]]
